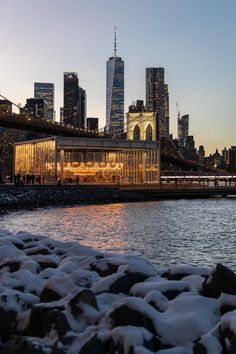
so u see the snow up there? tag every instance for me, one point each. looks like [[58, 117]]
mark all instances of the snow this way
[[178, 321], [142, 289]]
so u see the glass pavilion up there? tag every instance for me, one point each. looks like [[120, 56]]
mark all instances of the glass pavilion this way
[[89, 160]]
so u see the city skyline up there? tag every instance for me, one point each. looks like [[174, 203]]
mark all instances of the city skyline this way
[[193, 42]]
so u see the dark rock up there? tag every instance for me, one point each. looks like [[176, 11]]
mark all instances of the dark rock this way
[[170, 276], [25, 345], [7, 323], [222, 280], [86, 296], [125, 316], [94, 346], [104, 268], [44, 265], [13, 266], [125, 282], [226, 308], [56, 320], [228, 340], [171, 294], [49, 295], [199, 349], [35, 251], [35, 326]]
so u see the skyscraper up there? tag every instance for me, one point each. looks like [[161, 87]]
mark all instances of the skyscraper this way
[[71, 98], [183, 128], [82, 107], [157, 97], [45, 91], [115, 93]]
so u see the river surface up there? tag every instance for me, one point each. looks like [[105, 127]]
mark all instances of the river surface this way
[[201, 232]]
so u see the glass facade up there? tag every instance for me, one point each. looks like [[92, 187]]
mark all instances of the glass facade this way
[[115, 95], [45, 90], [90, 160], [38, 158]]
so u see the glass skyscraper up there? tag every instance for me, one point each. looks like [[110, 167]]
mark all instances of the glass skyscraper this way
[[115, 94], [157, 97], [45, 91]]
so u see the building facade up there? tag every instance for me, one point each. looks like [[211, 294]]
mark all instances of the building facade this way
[[45, 91], [183, 130], [37, 107], [115, 94], [157, 97], [82, 107], [92, 123], [232, 159], [71, 98], [89, 159]]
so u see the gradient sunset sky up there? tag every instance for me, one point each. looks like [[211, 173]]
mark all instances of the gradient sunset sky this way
[[194, 40]]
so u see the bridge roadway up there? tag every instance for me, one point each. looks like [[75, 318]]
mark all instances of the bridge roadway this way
[[29, 123]]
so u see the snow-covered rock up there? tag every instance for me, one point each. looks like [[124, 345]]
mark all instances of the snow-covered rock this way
[[65, 298]]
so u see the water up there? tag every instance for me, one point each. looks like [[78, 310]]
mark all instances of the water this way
[[201, 232]]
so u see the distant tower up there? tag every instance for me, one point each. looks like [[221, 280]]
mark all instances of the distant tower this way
[[115, 93], [45, 91], [157, 97], [71, 98], [183, 129]]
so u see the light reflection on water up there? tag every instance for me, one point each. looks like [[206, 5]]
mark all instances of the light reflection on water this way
[[184, 231]]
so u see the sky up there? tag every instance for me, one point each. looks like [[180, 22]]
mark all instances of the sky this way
[[194, 40]]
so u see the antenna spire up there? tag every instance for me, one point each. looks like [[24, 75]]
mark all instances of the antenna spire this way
[[115, 42]]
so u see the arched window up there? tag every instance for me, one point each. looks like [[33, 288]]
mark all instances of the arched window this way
[[149, 133], [136, 132]]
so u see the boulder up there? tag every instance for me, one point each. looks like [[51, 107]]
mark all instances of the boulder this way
[[126, 316], [12, 265], [228, 339], [25, 345], [94, 346], [222, 280], [36, 324], [86, 296], [199, 349], [125, 283], [104, 268], [44, 265], [55, 320], [49, 295], [7, 323]]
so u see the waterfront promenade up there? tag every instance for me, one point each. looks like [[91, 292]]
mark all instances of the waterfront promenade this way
[[14, 198]]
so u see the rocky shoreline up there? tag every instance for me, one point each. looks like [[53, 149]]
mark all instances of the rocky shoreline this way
[[13, 198], [64, 298]]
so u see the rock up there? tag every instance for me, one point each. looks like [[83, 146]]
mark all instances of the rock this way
[[126, 316], [126, 282], [94, 346], [104, 268], [86, 296], [7, 323], [226, 308], [222, 280], [35, 327], [13, 266], [228, 338], [199, 349], [171, 294], [55, 320], [44, 265], [49, 295], [25, 345], [37, 250]]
